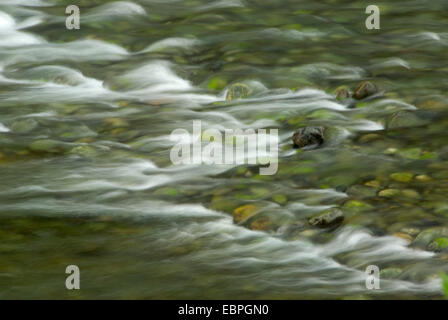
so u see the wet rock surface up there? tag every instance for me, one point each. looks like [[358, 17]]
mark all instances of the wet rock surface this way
[[365, 90], [327, 218], [308, 137]]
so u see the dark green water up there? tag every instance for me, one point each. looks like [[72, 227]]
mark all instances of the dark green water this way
[[85, 123]]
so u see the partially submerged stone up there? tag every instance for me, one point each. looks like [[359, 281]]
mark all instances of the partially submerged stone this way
[[238, 91], [310, 137], [365, 89], [344, 96], [327, 218], [342, 93]]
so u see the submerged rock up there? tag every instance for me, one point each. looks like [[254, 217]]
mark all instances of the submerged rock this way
[[262, 224], [327, 218], [280, 198], [85, 151], [365, 89], [356, 205], [243, 213], [370, 137], [402, 176], [224, 204], [405, 236], [116, 123], [24, 126], [360, 191], [410, 194], [433, 103], [403, 119], [238, 91], [311, 137], [389, 193], [390, 273], [48, 146]]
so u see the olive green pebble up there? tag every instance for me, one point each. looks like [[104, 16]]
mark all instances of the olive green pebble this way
[[280, 198], [389, 193], [402, 176]]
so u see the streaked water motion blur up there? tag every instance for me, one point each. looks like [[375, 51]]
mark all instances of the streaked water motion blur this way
[[85, 123]]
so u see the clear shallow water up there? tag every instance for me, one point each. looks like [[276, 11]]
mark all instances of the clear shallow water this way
[[85, 121]]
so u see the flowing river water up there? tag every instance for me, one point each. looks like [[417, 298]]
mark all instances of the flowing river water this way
[[85, 123]]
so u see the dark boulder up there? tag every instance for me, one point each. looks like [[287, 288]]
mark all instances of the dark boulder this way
[[309, 137]]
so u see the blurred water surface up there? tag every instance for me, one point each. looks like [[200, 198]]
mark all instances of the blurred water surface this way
[[85, 123]]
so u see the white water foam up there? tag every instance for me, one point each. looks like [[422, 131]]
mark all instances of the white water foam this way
[[114, 10], [3, 128], [182, 43]]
